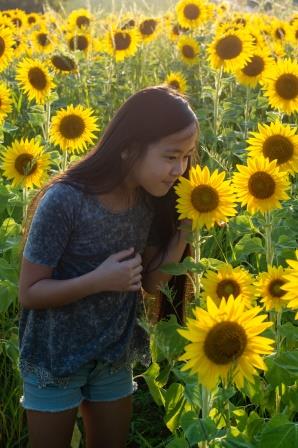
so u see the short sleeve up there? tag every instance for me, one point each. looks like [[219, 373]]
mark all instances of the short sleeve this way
[[52, 225]]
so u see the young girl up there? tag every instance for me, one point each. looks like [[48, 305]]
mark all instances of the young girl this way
[[100, 232]]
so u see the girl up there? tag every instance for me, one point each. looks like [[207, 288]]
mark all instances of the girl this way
[[100, 232]]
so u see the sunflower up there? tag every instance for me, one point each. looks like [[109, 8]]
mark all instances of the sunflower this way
[[33, 18], [188, 49], [43, 41], [79, 41], [149, 28], [260, 185], [121, 44], [174, 30], [293, 34], [225, 342], [80, 18], [35, 80], [229, 281], [18, 19], [72, 128], [6, 47], [281, 85], [278, 142], [253, 70], [5, 101], [269, 286], [176, 81], [205, 198], [291, 285], [63, 64], [191, 13], [26, 163], [231, 50], [279, 30]]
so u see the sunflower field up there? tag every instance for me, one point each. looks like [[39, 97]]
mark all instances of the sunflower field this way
[[227, 376]]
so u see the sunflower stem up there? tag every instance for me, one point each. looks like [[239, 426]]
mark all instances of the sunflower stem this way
[[268, 239], [246, 112], [216, 100], [197, 254], [205, 410], [64, 160], [25, 203]]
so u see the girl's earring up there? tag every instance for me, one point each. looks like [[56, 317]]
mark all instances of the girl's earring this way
[[124, 155]]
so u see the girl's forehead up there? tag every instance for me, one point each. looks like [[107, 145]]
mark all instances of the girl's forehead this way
[[184, 134]]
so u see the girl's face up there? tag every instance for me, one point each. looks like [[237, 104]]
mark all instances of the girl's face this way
[[164, 161]]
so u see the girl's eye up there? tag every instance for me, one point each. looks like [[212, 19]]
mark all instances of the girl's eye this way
[[171, 157]]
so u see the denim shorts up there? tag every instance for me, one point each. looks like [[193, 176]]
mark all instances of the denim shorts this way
[[93, 382]]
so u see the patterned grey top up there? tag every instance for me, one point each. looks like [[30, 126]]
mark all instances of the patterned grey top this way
[[73, 233]]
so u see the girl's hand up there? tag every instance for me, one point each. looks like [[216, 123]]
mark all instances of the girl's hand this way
[[119, 273]]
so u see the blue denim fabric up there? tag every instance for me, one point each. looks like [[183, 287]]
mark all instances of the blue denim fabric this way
[[93, 382]]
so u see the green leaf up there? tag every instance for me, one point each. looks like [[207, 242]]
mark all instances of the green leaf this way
[[174, 404], [248, 245], [178, 443], [289, 331], [280, 437], [166, 341], [150, 376], [230, 442], [196, 430], [282, 368]]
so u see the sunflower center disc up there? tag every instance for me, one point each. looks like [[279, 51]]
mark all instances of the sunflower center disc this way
[[17, 22], [122, 41], [280, 33], [82, 21], [25, 164], [225, 342], [37, 78], [254, 67], [191, 11], [63, 63], [188, 51], [72, 126], [278, 147], [2, 46], [17, 42], [43, 39], [174, 84], [229, 47], [148, 27], [275, 288], [227, 287], [261, 185], [78, 43], [287, 86], [130, 24], [204, 198], [31, 20], [296, 35]]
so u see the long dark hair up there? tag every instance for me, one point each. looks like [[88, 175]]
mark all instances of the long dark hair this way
[[146, 117]]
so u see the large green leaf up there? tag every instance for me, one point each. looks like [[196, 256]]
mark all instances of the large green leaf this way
[[196, 429], [166, 341], [282, 368], [174, 404], [283, 436], [156, 391]]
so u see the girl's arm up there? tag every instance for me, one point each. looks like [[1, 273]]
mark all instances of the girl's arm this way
[[153, 278], [38, 290]]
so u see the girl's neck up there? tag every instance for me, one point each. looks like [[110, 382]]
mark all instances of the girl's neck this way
[[119, 199]]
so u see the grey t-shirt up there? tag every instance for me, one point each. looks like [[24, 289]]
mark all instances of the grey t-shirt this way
[[73, 233]]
